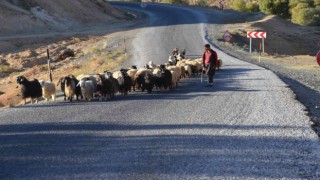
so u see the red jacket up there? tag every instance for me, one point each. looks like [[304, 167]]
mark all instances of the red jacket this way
[[213, 58]]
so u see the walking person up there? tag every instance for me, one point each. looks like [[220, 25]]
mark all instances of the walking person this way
[[209, 62]]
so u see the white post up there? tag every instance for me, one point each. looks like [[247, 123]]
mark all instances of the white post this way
[[250, 44], [263, 45]]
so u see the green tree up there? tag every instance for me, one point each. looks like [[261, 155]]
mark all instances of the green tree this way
[[252, 7], [277, 7], [303, 14], [239, 5]]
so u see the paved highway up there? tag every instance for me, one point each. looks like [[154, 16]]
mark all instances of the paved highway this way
[[249, 125]]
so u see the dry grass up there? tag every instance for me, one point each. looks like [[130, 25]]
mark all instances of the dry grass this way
[[6, 70], [99, 63]]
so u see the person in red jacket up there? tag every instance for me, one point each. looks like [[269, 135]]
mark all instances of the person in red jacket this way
[[209, 62]]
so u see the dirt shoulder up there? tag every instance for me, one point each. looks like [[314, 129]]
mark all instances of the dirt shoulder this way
[[290, 53], [97, 49]]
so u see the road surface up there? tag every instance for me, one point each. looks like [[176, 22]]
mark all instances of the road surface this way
[[248, 125]]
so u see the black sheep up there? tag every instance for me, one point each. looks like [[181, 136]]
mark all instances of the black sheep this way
[[78, 88], [166, 77], [109, 88], [126, 87], [149, 81], [140, 82], [30, 89], [101, 87]]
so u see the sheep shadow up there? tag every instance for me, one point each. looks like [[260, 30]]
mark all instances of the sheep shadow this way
[[67, 151]]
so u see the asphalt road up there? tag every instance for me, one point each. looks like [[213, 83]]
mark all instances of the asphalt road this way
[[248, 125]]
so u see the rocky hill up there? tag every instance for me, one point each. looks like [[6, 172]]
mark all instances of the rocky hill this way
[[34, 16]]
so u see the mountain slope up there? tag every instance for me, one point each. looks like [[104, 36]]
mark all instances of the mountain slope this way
[[30, 16]]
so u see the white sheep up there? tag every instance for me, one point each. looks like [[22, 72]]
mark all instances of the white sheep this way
[[198, 60], [48, 89], [176, 69], [157, 72], [195, 65], [188, 70], [87, 89], [91, 77], [118, 76], [175, 78], [131, 73]]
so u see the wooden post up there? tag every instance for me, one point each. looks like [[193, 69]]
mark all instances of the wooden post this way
[[125, 47], [49, 67]]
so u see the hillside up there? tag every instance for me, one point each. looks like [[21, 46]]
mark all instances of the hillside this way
[[33, 16]]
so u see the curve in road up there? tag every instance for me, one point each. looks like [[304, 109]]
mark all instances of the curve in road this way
[[248, 125]]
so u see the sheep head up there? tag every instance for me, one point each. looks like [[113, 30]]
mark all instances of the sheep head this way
[[21, 80], [42, 82], [61, 80], [147, 78]]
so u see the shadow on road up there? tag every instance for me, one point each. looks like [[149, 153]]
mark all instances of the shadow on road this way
[[65, 151]]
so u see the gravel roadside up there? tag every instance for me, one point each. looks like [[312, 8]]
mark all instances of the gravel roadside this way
[[302, 82]]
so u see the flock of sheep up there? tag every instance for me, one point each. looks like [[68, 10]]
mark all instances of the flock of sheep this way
[[106, 85]]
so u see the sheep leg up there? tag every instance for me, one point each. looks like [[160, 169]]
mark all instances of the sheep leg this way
[[53, 97]]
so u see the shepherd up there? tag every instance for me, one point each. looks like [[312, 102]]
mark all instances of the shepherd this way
[[209, 62]]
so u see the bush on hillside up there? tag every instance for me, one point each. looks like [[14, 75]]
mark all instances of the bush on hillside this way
[[304, 14], [184, 2], [253, 7], [134, 0], [202, 3], [277, 7], [239, 5]]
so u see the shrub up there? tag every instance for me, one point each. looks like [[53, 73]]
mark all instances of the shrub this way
[[134, 0], [252, 7], [277, 7], [305, 15], [239, 5], [202, 3], [185, 2]]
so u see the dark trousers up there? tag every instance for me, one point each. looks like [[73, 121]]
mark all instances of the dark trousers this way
[[210, 72]]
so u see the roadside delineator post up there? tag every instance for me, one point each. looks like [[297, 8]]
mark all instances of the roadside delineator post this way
[[260, 52]]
